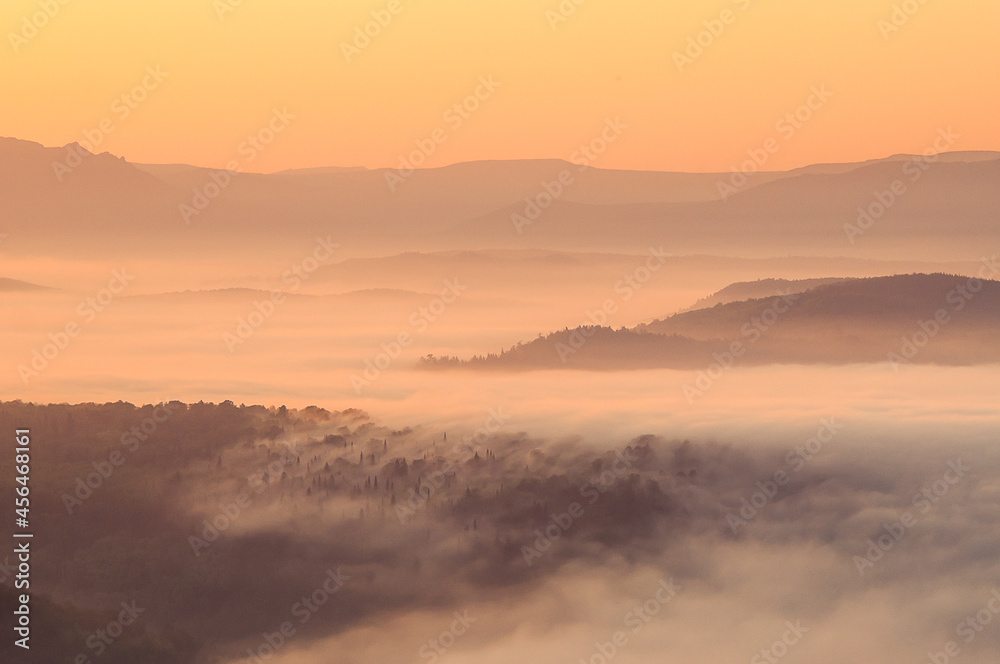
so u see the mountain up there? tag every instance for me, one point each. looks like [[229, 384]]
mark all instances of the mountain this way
[[549, 269], [17, 286], [947, 211], [924, 318], [745, 290], [874, 303], [64, 201]]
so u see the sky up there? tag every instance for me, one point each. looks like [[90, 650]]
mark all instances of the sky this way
[[696, 86]]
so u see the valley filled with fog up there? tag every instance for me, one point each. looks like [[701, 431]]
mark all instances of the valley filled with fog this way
[[287, 452]]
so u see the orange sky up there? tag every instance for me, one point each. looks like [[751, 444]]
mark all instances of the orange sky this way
[[228, 70]]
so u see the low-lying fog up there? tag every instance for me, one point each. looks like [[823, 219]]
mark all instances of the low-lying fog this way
[[880, 544]]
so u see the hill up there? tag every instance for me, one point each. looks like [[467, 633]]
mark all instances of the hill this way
[[18, 286], [64, 201], [746, 290], [925, 318]]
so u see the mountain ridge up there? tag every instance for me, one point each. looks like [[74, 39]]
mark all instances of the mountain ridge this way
[[866, 320]]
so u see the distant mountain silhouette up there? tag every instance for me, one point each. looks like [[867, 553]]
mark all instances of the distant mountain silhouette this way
[[746, 290], [17, 286], [61, 201], [806, 213], [874, 303], [921, 318]]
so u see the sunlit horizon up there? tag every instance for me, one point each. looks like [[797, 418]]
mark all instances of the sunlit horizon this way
[[697, 108]]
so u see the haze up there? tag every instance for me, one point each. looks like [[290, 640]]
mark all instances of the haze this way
[[530, 332]]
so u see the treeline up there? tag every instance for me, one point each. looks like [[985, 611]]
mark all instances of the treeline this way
[[315, 490]]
